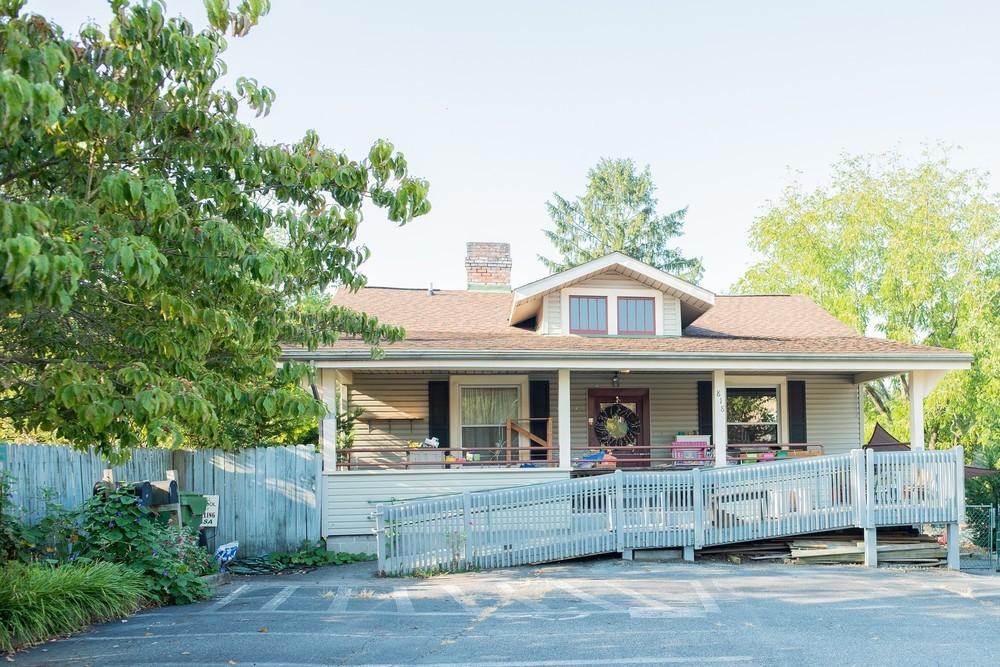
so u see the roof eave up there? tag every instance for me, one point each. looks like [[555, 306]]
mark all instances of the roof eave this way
[[846, 362]]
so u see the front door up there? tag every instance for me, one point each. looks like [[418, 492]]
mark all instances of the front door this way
[[618, 422]]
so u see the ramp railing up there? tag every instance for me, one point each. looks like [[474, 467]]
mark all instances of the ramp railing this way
[[669, 508]]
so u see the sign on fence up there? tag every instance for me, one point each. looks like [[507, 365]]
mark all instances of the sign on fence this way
[[210, 519]]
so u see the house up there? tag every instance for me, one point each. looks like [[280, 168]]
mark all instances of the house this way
[[612, 363]]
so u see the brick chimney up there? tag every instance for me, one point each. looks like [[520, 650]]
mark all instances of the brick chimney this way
[[487, 266]]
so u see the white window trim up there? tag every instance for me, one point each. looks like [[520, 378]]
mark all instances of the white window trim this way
[[455, 384], [612, 297], [779, 383]]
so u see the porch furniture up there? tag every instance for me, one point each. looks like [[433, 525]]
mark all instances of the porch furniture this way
[[425, 455], [692, 450], [743, 454]]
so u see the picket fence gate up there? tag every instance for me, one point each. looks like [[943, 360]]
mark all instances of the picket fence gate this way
[[669, 509], [267, 496]]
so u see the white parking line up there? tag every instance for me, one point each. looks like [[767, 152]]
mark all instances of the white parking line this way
[[283, 595], [706, 598], [340, 603], [402, 598], [587, 597], [226, 600], [456, 593], [648, 602], [509, 591]]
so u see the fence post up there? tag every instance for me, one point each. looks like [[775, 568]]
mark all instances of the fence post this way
[[871, 537], [468, 545], [951, 530], [380, 538], [619, 512], [699, 509]]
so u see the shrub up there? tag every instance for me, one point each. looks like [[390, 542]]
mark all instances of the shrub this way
[[10, 525], [310, 555], [315, 555], [39, 601], [119, 529]]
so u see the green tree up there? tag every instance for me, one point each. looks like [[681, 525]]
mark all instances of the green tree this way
[[142, 294], [618, 213], [910, 249]]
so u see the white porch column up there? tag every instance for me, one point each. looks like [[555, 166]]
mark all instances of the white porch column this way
[[327, 381], [916, 412], [719, 435], [921, 385], [565, 426]]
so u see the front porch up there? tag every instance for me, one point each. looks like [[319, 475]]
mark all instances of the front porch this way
[[551, 436]]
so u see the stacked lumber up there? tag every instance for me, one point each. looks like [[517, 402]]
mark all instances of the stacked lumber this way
[[845, 546], [898, 548]]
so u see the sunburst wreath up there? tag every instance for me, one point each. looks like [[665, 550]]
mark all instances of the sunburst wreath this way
[[617, 426]]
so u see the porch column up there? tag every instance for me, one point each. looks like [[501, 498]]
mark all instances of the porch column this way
[[719, 434], [921, 385], [565, 426], [916, 412], [333, 397]]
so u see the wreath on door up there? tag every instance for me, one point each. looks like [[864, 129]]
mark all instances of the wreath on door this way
[[617, 426]]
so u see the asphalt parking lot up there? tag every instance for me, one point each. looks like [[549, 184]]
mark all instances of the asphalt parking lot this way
[[594, 612]]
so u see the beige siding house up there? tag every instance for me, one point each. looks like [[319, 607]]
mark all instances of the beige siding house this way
[[612, 364]]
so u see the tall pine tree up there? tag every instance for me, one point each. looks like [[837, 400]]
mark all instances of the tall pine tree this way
[[618, 213]]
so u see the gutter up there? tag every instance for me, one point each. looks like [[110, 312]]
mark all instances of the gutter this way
[[485, 359]]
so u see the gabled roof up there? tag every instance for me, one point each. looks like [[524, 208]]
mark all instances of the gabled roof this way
[[694, 300], [479, 329]]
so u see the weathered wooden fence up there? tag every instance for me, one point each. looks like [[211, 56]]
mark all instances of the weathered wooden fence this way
[[267, 496], [663, 509]]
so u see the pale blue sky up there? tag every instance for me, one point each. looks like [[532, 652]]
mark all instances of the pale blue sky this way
[[499, 105]]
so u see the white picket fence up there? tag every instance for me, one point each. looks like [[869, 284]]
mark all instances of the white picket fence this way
[[267, 496], [665, 509]]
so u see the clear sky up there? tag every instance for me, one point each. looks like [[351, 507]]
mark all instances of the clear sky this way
[[501, 104]]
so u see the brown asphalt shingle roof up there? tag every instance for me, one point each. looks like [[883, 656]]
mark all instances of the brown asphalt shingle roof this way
[[477, 321]]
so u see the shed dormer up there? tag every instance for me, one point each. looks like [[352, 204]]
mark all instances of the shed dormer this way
[[613, 295]]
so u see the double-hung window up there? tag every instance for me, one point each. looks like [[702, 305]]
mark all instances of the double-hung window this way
[[480, 408], [484, 412], [752, 415]]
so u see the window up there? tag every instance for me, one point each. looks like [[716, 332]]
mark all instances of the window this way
[[635, 315], [752, 416], [588, 315], [483, 414]]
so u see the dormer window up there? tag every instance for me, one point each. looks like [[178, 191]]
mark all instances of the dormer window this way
[[635, 315], [588, 314]]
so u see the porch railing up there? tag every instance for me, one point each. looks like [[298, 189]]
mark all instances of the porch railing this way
[[536, 452], [664, 509]]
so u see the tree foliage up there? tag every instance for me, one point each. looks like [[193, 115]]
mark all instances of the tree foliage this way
[[142, 294], [618, 213], [910, 249]]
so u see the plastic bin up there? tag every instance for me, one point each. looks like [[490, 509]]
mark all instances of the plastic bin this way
[[192, 507]]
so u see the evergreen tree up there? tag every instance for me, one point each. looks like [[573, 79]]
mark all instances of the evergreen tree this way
[[618, 213]]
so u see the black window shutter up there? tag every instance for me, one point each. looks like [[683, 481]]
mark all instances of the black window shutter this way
[[797, 411], [538, 406], [438, 423], [705, 408]]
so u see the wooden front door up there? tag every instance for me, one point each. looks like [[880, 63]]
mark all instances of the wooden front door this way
[[618, 422]]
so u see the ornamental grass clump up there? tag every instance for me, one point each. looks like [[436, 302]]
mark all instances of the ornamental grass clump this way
[[38, 601]]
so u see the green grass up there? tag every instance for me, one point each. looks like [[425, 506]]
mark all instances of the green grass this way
[[40, 601]]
